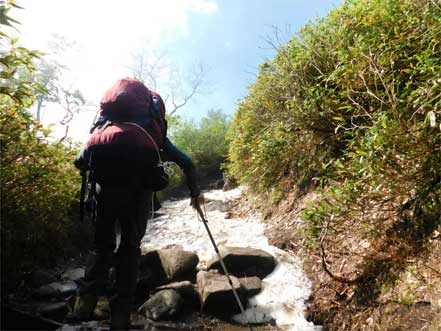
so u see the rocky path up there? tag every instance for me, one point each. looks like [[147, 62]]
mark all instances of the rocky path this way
[[284, 292], [176, 247]]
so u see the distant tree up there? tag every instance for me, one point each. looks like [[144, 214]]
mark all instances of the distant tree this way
[[148, 67], [176, 85], [49, 75], [205, 142]]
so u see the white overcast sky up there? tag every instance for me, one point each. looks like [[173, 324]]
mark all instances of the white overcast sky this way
[[226, 36]]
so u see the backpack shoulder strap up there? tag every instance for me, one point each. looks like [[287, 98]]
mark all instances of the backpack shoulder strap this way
[[148, 136], [155, 108]]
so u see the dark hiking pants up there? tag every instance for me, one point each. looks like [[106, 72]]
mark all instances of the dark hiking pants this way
[[130, 207]]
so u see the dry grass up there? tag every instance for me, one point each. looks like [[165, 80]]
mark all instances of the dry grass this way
[[389, 282]]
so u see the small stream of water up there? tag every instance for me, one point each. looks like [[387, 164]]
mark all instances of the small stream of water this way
[[284, 291]]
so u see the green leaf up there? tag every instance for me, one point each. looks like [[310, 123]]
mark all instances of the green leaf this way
[[339, 118]]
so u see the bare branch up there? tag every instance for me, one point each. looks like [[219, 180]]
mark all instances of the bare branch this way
[[148, 67], [338, 278], [176, 88], [66, 131], [195, 83], [277, 37]]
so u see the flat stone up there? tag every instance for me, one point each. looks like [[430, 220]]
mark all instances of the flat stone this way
[[216, 294], [250, 286], [244, 262], [166, 265], [176, 262]]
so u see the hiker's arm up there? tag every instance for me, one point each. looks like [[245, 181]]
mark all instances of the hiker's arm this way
[[177, 156]]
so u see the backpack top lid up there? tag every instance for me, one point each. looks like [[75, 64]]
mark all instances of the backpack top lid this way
[[125, 98]]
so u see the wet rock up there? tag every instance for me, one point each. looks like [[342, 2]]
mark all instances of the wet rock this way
[[244, 261], [56, 289], [176, 263], [73, 274], [215, 293], [168, 264], [165, 304], [42, 277], [250, 286], [53, 310]]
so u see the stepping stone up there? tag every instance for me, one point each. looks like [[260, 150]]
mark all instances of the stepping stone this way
[[244, 262], [215, 293], [168, 264], [250, 286]]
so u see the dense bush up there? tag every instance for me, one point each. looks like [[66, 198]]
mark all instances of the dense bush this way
[[352, 106], [38, 182], [355, 99]]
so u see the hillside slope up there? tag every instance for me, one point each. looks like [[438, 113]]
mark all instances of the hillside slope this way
[[349, 112]]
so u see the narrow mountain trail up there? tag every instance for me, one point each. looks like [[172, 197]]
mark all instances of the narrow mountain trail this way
[[284, 291], [280, 304]]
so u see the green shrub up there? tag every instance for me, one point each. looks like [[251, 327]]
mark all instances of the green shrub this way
[[204, 142], [39, 184], [352, 105], [354, 98]]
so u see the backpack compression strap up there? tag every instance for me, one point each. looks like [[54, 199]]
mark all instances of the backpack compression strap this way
[[165, 164]]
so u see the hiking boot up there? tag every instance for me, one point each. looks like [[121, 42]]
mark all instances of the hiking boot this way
[[84, 307], [119, 320]]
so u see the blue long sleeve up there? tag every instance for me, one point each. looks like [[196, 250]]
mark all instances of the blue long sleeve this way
[[174, 154]]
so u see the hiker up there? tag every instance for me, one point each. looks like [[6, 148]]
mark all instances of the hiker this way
[[122, 157]]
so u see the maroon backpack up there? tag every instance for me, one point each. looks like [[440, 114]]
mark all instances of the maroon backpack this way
[[127, 140], [129, 100]]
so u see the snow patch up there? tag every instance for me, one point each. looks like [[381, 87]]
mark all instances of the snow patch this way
[[284, 291]]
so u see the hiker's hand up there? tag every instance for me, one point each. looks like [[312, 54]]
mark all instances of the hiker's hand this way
[[196, 202]]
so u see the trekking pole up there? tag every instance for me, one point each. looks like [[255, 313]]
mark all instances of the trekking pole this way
[[224, 267]]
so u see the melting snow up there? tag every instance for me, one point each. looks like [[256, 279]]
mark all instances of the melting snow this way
[[284, 291]]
